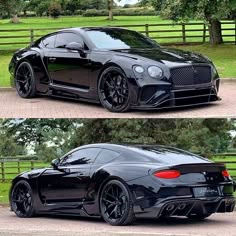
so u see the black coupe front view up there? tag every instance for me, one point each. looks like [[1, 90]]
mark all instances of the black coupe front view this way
[[119, 68], [121, 182]]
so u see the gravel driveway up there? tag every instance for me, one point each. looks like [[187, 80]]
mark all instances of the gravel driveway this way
[[12, 106], [218, 224]]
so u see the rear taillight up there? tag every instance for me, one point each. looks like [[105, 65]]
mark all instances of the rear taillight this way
[[225, 173], [167, 174]]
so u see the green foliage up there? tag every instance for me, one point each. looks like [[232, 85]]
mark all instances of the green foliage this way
[[52, 138], [54, 9], [199, 135], [121, 12], [8, 146], [196, 9]]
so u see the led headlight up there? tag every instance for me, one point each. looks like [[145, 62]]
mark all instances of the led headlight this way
[[155, 72], [139, 69]]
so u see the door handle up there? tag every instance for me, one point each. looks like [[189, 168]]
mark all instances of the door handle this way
[[52, 59]]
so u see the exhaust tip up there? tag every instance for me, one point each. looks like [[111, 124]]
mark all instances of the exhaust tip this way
[[170, 207]]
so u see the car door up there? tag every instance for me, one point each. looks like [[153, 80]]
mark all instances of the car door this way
[[69, 183], [69, 67]]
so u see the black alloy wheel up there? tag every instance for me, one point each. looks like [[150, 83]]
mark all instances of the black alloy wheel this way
[[113, 90], [21, 200], [25, 81], [116, 204]]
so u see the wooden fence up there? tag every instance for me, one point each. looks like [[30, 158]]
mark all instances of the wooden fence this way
[[11, 167], [182, 33]]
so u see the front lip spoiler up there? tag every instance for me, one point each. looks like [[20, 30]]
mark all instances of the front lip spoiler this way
[[185, 207], [146, 107]]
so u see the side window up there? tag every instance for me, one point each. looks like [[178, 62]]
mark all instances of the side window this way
[[49, 42], [106, 156], [80, 157], [64, 38]]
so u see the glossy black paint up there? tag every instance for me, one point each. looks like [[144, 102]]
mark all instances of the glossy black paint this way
[[72, 74], [75, 188]]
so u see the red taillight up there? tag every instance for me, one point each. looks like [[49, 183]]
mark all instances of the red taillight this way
[[167, 174], [225, 173]]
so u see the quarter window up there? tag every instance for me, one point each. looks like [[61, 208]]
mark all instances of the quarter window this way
[[81, 157], [65, 38], [49, 42], [106, 156]]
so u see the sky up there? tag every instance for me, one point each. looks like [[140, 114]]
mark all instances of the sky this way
[[123, 2]]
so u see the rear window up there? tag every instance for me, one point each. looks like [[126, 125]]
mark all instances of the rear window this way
[[168, 155]]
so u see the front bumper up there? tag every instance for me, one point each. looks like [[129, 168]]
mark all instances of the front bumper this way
[[154, 97], [185, 207]]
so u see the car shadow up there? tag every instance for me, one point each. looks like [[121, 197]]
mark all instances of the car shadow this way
[[144, 222]]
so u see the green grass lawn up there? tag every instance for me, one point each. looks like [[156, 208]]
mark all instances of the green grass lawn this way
[[223, 56], [40, 23], [4, 190]]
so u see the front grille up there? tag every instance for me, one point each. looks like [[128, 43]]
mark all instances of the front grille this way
[[191, 75]]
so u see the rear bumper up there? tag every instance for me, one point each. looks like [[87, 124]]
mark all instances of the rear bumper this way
[[161, 97], [185, 207]]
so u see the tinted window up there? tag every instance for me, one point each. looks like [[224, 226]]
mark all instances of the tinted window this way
[[49, 42], [65, 38], [119, 39], [83, 156], [106, 156], [167, 155]]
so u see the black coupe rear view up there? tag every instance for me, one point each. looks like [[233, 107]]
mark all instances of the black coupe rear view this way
[[119, 68], [121, 182]]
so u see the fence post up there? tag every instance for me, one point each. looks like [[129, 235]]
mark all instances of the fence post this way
[[31, 35], [204, 33], [235, 32], [3, 171], [184, 32], [147, 30], [18, 166], [32, 165]]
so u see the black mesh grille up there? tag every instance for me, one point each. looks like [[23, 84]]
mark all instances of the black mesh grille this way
[[191, 75]]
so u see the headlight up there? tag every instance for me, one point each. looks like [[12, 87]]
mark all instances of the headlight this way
[[155, 72], [139, 69]]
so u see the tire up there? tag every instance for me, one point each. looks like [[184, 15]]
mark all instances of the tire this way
[[25, 81], [116, 205], [113, 90], [198, 216], [22, 202]]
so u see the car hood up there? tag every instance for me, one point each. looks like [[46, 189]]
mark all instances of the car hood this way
[[169, 57], [32, 174]]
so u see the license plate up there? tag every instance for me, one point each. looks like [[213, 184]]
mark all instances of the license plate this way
[[206, 192]]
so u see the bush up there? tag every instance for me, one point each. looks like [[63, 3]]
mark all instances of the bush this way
[[121, 12], [54, 9]]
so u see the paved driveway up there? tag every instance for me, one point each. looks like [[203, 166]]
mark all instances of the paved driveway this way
[[218, 224], [11, 106]]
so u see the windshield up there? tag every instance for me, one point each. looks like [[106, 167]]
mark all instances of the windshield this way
[[119, 39]]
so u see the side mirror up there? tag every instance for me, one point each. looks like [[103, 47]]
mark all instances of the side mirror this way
[[75, 47], [55, 164]]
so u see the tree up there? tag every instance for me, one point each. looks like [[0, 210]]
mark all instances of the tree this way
[[200, 135], [212, 11], [8, 146], [54, 9], [12, 8]]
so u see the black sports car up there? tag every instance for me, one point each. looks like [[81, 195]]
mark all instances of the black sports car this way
[[121, 182], [116, 67]]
